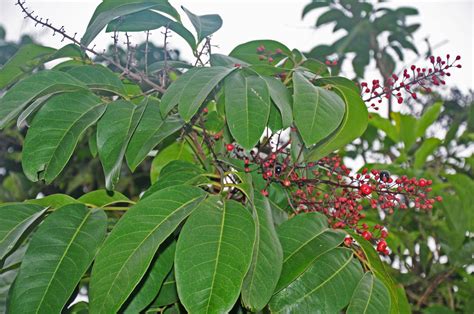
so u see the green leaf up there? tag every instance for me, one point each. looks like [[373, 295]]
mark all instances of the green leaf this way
[[327, 285], [111, 9], [23, 61], [149, 20], [176, 151], [29, 89], [204, 25], [385, 125], [146, 291], [213, 255], [407, 125], [353, 124], [54, 201], [151, 131], [15, 219], [191, 89], [120, 264], [55, 131], [31, 110], [426, 149], [177, 172], [262, 277], [330, 16], [247, 106], [102, 198], [370, 296], [317, 111], [312, 6], [428, 118], [60, 252], [218, 59], [378, 268], [161, 65], [167, 295], [281, 97], [98, 77], [198, 88], [304, 238], [247, 52], [114, 131]]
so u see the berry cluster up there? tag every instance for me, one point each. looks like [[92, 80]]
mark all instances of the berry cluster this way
[[412, 80], [329, 187]]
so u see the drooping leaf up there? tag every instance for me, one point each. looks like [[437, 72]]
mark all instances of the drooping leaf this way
[[120, 264], [176, 151], [29, 89], [312, 6], [101, 198], [326, 286], [247, 106], [146, 291], [304, 238], [281, 97], [114, 132], [330, 16], [151, 130], [24, 61], [55, 131], [262, 277], [370, 296], [98, 77], [317, 111], [353, 124], [15, 219], [191, 89], [109, 10], [204, 25], [213, 255], [248, 52], [149, 20], [58, 255]]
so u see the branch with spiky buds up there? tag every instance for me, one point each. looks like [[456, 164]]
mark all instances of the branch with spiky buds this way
[[134, 75]]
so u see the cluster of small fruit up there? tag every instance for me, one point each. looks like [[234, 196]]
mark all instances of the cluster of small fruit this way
[[413, 79], [329, 187]]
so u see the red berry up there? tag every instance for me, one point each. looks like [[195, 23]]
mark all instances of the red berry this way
[[365, 189], [286, 182], [205, 110], [367, 235], [381, 246], [264, 192], [384, 234], [348, 241], [230, 147], [422, 182]]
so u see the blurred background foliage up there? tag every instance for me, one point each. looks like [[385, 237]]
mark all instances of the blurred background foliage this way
[[429, 137]]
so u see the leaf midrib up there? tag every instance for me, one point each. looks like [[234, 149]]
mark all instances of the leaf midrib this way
[[217, 258], [76, 233]]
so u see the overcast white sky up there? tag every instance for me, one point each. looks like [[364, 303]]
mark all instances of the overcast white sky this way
[[244, 20]]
